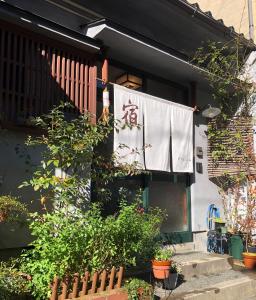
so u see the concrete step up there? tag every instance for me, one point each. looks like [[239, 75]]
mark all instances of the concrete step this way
[[181, 248], [230, 285], [195, 264]]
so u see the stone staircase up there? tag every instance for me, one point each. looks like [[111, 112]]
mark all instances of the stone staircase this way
[[210, 277]]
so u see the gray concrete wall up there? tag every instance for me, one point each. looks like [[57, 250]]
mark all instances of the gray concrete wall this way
[[203, 191], [14, 169]]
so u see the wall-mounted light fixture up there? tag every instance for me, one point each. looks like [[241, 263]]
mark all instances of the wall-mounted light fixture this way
[[130, 81], [211, 112], [207, 111]]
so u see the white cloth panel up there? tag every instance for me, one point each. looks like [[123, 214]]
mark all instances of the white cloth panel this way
[[182, 139], [128, 108], [157, 128]]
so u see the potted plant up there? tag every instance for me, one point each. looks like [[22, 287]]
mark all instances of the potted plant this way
[[171, 282], [138, 289], [161, 263]]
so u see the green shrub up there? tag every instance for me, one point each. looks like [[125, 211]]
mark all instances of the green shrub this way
[[163, 253], [65, 244], [11, 209], [138, 289], [13, 284]]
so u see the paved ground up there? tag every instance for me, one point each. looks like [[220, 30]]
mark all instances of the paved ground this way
[[193, 255], [201, 283]]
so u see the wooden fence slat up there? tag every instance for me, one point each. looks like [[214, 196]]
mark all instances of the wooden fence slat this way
[[77, 85], [85, 280], [58, 72], [81, 88], [68, 76], [86, 86], [53, 68], [112, 278], [94, 283], [72, 80], [92, 92], [103, 278], [65, 283], [74, 292], [120, 277], [54, 288], [58, 68]]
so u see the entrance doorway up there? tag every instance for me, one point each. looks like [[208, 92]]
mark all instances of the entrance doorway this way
[[172, 193]]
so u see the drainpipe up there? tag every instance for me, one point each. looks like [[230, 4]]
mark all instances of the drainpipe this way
[[250, 15]]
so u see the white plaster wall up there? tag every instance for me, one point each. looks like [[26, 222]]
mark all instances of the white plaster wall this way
[[13, 171], [203, 191]]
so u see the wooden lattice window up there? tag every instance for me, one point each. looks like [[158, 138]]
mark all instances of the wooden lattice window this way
[[37, 73], [239, 159]]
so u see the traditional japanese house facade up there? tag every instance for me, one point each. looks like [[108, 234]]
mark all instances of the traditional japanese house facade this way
[[63, 50]]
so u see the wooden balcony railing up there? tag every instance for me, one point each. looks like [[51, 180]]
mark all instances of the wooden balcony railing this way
[[37, 73]]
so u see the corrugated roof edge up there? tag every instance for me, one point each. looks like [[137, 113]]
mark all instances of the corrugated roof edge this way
[[195, 8]]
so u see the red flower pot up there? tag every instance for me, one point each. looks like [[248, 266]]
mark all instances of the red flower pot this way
[[249, 260], [161, 269]]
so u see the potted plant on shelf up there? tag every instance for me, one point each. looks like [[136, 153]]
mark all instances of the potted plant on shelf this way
[[171, 282], [162, 262]]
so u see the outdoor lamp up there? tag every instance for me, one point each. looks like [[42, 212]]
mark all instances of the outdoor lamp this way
[[130, 81], [211, 112]]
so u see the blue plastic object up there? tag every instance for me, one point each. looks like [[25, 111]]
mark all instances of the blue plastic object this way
[[213, 212]]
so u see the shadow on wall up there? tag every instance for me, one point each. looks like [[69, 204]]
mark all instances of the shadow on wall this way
[[35, 75]]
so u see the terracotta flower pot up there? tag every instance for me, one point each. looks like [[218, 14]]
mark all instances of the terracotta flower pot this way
[[161, 269], [249, 260]]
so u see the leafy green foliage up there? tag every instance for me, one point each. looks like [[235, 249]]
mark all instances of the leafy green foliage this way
[[11, 209], [72, 234], [65, 244], [230, 134], [163, 253], [176, 268], [138, 289], [231, 90], [74, 147], [13, 284]]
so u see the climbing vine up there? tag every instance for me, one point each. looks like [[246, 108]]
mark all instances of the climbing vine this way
[[230, 134]]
